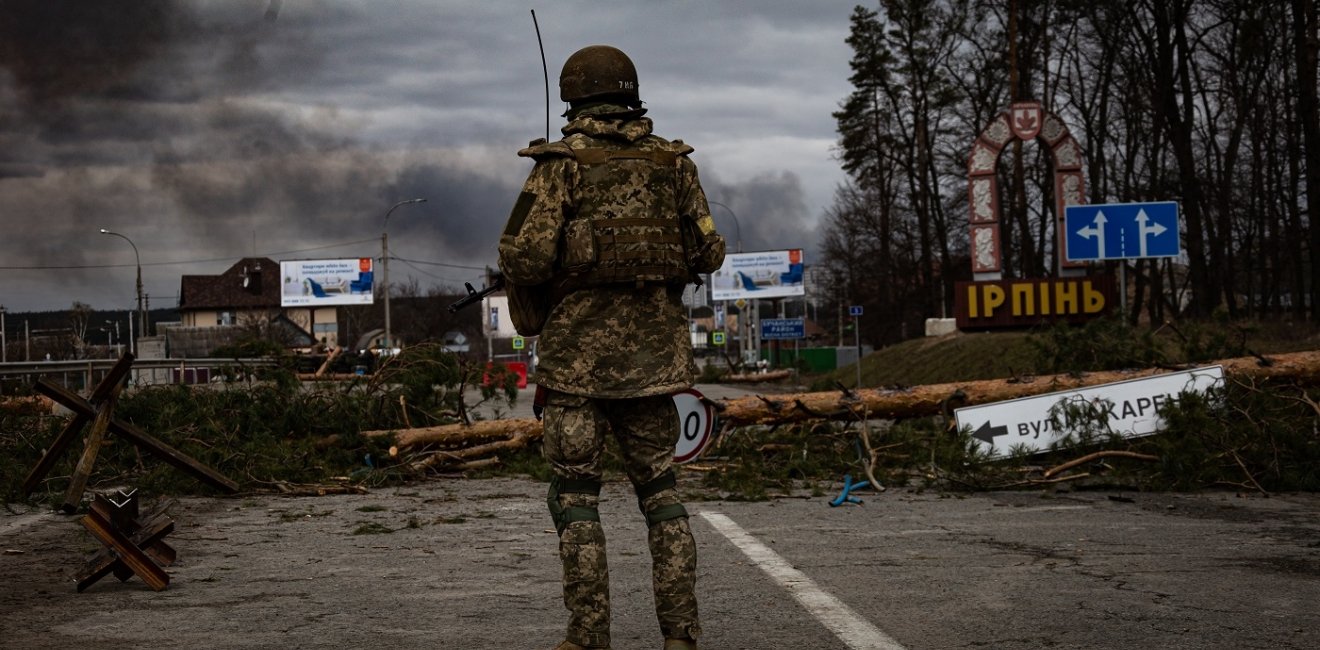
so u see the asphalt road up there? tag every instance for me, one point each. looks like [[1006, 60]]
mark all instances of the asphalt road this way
[[472, 564]]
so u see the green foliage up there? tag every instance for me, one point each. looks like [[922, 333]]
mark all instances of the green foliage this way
[[265, 429], [1245, 436], [1101, 344], [711, 374]]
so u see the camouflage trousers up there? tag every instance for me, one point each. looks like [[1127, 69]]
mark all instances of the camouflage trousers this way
[[574, 441]]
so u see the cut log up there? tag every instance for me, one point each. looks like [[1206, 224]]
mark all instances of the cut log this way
[[463, 456], [329, 359], [461, 435], [757, 377], [919, 401], [880, 403], [27, 405]]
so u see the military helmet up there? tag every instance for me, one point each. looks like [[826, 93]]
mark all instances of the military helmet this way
[[598, 71]]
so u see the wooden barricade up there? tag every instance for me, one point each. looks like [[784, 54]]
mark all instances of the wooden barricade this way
[[134, 544], [99, 410]]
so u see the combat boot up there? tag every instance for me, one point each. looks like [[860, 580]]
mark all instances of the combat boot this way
[[680, 644], [569, 645]]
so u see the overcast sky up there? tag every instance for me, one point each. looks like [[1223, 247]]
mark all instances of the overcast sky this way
[[209, 131]]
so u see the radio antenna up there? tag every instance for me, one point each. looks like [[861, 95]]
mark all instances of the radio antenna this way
[[544, 71]]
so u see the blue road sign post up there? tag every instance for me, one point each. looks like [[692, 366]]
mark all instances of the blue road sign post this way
[[1121, 231], [856, 312]]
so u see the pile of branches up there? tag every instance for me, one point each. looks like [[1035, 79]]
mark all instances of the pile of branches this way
[[458, 447]]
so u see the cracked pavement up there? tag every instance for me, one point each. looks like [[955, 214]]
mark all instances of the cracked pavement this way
[[472, 564]]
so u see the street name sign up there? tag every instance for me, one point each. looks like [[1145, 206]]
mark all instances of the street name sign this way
[[1118, 231], [779, 329], [1132, 408]]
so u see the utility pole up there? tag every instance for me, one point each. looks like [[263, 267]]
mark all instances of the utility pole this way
[[385, 266]]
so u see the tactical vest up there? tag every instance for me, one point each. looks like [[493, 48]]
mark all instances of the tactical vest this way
[[626, 228]]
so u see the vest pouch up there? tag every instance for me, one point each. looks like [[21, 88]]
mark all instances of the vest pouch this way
[[579, 246], [529, 306]]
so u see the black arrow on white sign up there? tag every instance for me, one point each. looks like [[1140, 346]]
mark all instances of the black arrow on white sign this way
[[987, 433]]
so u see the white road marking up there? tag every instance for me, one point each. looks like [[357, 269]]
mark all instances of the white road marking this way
[[851, 628]]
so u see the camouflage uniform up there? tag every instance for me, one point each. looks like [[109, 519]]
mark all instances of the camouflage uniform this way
[[611, 355]]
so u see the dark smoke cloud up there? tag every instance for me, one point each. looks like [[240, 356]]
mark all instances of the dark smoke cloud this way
[[769, 211], [215, 129], [59, 49]]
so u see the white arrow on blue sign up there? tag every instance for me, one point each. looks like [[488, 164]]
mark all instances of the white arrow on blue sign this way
[[1117, 231]]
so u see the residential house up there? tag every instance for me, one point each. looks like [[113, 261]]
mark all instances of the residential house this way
[[243, 299]]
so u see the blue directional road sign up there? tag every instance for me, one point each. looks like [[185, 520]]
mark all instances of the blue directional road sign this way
[[1118, 231], [783, 329]]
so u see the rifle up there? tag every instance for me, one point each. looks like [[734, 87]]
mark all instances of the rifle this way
[[473, 296]]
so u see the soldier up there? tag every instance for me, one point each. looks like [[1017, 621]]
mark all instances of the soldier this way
[[610, 226]]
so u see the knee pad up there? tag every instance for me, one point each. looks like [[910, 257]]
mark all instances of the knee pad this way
[[563, 516], [653, 487]]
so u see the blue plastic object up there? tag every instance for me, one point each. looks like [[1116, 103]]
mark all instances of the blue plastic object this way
[[848, 486]]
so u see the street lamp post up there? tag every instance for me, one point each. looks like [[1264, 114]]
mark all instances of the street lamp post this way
[[4, 337], [385, 266], [737, 227], [742, 314], [142, 315]]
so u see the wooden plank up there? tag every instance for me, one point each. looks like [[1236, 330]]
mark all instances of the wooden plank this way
[[78, 482], [56, 450], [124, 516], [129, 553], [143, 439], [106, 562], [66, 437], [113, 378]]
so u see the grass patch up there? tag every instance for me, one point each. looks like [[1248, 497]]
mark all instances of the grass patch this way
[[372, 528]]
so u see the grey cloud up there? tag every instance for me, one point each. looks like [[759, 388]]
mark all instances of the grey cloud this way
[[768, 211], [207, 128]]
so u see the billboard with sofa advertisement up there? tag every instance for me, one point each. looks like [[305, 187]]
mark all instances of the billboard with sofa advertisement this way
[[324, 283], [767, 274]]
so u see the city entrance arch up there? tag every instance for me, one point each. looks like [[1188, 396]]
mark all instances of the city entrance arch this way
[[1022, 121]]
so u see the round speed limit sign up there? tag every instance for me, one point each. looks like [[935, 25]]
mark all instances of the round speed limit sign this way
[[696, 424]]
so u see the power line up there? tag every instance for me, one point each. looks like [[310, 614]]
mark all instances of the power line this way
[[67, 267], [452, 266]]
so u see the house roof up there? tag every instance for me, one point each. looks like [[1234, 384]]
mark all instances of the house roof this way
[[251, 283]]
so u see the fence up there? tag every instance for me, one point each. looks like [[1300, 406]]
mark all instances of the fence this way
[[81, 375]]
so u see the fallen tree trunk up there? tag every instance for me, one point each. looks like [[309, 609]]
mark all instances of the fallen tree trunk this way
[[27, 405], [880, 403], [477, 453], [458, 435], [918, 401], [756, 377]]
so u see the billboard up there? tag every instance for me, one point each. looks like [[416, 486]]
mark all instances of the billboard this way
[[324, 283], [767, 274]]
